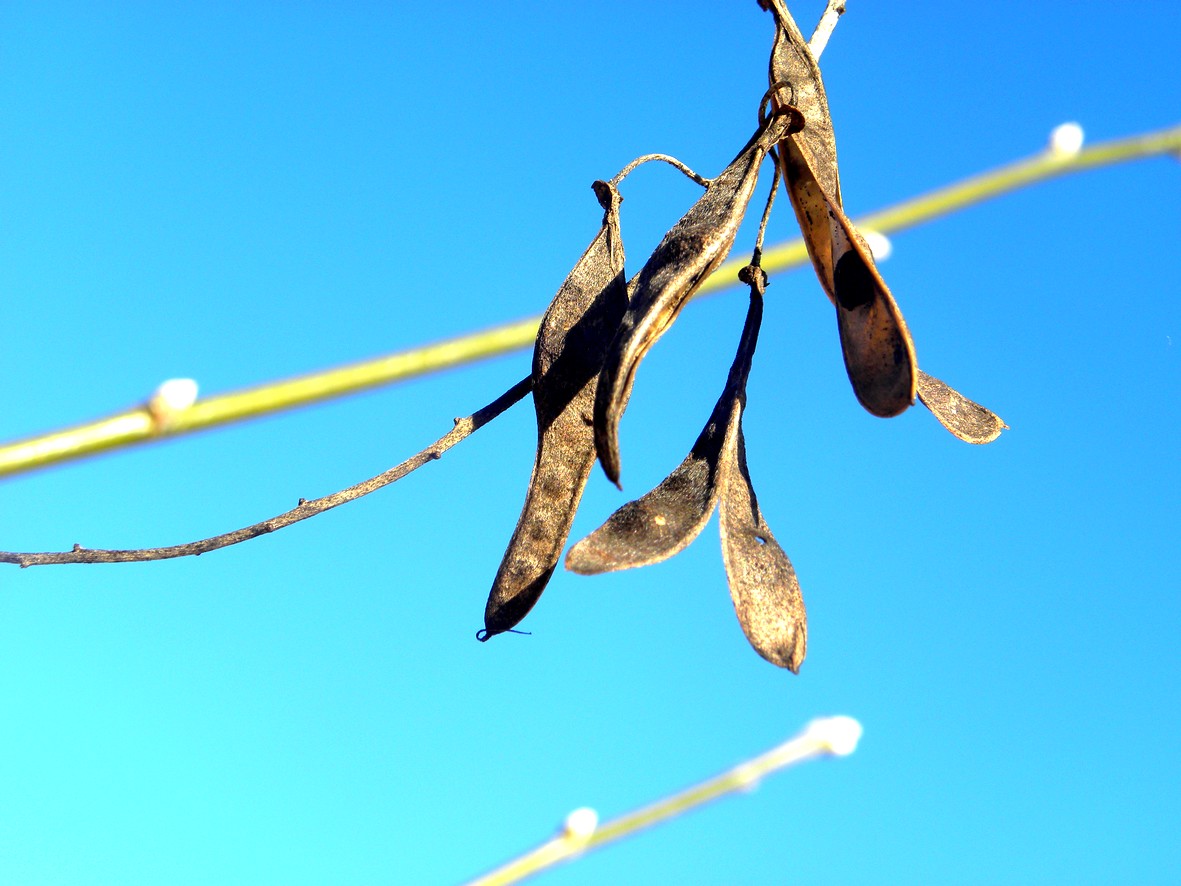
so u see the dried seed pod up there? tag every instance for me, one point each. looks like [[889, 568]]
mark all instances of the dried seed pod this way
[[763, 584], [876, 345], [664, 521], [578, 325], [968, 420], [793, 65], [689, 253], [668, 518]]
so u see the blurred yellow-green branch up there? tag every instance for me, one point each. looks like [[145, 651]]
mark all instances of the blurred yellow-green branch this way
[[582, 832], [144, 424]]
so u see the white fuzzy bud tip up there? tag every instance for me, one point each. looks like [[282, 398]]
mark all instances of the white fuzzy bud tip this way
[[580, 824], [1066, 140], [879, 244], [838, 734], [174, 395]]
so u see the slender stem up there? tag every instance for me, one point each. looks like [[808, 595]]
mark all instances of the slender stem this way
[[464, 428], [767, 212], [667, 158], [834, 735], [136, 426]]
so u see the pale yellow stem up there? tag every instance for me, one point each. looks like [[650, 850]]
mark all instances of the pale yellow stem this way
[[831, 736], [138, 425]]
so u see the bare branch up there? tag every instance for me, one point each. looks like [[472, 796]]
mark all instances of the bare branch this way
[[824, 28], [582, 832], [464, 428]]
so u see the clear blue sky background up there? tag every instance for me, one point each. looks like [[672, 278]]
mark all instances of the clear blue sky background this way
[[241, 192]]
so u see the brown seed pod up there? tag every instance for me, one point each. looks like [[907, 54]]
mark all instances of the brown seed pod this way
[[875, 342], [567, 356], [663, 522], [968, 420], [763, 584], [689, 253], [794, 67]]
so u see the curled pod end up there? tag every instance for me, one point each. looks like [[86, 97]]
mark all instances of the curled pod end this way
[[608, 196], [508, 605]]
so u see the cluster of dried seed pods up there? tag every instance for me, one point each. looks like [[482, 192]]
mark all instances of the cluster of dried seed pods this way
[[598, 329]]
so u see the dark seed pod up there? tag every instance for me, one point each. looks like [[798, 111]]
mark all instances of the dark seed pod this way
[[689, 253], [968, 420], [668, 518], [875, 342], [580, 322]]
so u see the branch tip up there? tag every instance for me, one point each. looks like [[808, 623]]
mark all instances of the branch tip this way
[[1066, 141], [838, 735], [580, 825]]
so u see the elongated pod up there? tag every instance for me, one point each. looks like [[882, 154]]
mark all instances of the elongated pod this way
[[663, 522], [567, 356], [689, 253], [875, 342], [763, 584]]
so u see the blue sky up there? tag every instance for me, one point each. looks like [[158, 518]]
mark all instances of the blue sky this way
[[242, 192]]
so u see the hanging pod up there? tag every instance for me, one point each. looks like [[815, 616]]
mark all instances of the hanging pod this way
[[663, 522], [567, 357], [876, 345], [689, 253], [763, 585]]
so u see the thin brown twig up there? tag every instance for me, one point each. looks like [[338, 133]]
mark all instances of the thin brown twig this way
[[464, 428], [666, 158]]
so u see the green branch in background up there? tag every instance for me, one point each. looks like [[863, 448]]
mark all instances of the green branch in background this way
[[163, 417], [581, 832]]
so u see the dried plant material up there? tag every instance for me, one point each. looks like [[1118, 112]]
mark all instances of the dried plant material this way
[[876, 345], [794, 66], [668, 518], [689, 253], [965, 418], [763, 584], [568, 354], [664, 521]]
